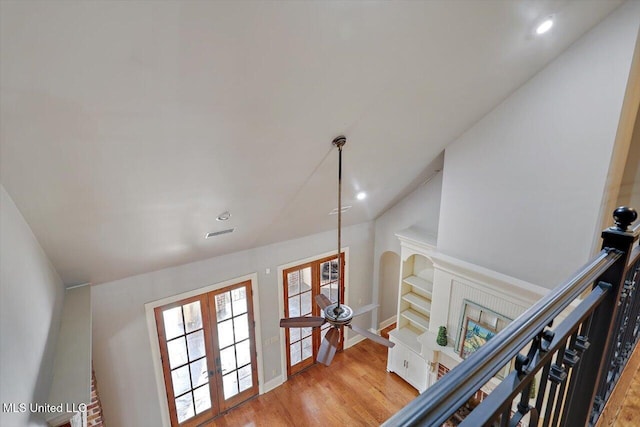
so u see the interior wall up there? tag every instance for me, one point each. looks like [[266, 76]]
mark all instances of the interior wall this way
[[31, 298], [388, 280], [629, 194], [121, 347], [421, 208], [523, 187]]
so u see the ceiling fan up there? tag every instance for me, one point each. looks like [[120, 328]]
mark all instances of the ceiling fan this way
[[335, 313]]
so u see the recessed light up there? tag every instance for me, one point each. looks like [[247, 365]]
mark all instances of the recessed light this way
[[361, 195], [544, 26], [224, 216]]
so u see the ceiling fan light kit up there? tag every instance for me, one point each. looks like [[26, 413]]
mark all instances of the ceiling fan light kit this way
[[335, 313]]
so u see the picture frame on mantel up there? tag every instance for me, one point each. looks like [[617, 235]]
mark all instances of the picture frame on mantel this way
[[475, 335], [478, 325]]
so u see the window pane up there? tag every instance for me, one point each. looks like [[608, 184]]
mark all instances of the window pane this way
[[177, 352], [305, 303], [241, 327], [245, 378], [306, 331], [223, 306], [329, 271], [173, 325], [184, 407], [180, 379], [195, 341], [193, 316], [330, 291], [294, 306], [293, 280], [294, 334], [225, 333], [307, 348], [203, 399], [199, 372], [230, 385], [305, 279], [239, 297], [323, 332], [295, 353], [243, 351], [228, 359]]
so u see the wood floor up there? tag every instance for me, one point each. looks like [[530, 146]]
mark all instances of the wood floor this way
[[356, 390]]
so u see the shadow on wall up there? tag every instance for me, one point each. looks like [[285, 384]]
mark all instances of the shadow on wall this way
[[388, 280]]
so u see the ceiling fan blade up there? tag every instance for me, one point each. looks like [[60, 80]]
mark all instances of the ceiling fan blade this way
[[364, 309], [328, 347], [373, 337], [322, 301], [302, 322]]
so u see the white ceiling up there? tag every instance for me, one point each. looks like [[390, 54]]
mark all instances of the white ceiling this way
[[127, 127]]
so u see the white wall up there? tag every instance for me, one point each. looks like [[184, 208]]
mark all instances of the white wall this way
[[629, 194], [121, 348], [31, 297], [420, 208], [523, 187]]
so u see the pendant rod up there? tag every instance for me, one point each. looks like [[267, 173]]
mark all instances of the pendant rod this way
[[339, 142]]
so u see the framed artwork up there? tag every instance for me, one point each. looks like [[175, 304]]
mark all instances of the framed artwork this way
[[475, 335]]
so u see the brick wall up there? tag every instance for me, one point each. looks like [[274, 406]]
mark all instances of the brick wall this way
[[94, 410]]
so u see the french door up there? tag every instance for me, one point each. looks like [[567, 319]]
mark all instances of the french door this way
[[208, 353], [301, 284]]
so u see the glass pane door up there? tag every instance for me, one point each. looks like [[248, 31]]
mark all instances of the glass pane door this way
[[184, 339], [208, 353], [299, 303], [235, 346], [301, 284], [328, 286]]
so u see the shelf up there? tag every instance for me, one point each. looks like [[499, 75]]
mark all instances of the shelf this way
[[420, 283], [407, 336], [417, 301], [416, 318]]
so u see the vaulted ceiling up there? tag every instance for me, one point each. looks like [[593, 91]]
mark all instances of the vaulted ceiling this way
[[128, 127]]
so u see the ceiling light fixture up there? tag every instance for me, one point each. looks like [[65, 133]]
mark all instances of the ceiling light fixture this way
[[336, 314], [361, 195], [224, 216], [544, 26]]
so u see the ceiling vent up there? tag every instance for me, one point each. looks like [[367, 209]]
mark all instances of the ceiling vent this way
[[343, 210], [218, 233]]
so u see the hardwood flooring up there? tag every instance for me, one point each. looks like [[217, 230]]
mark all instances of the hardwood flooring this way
[[630, 412], [356, 390]]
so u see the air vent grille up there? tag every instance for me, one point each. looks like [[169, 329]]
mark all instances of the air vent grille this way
[[218, 233], [344, 209]]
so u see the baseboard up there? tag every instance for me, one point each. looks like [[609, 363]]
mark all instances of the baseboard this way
[[354, 340], [271, 384], [386, 323]]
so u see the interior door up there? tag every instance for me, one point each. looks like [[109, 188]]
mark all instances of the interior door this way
[[207, 345], [234, 349], [301, 284]]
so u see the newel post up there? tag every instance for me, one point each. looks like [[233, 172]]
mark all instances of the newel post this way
[[600, 334]]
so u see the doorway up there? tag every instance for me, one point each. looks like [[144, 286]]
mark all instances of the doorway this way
[[301, 284], [208, 353]]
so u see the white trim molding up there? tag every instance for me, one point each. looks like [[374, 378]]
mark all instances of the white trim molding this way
[[155, 345]]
